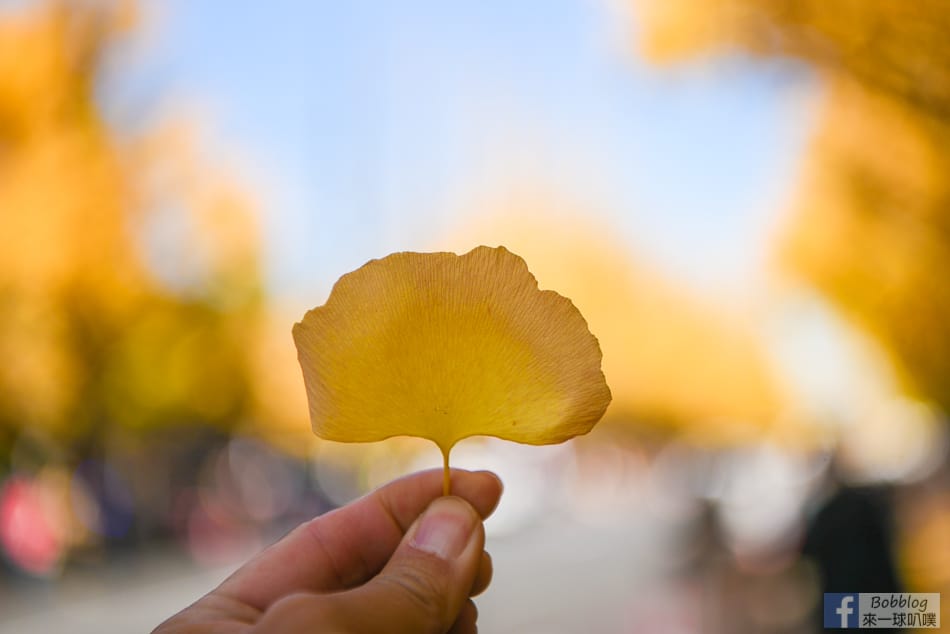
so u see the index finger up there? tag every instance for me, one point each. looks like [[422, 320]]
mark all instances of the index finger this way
[[350, 545]]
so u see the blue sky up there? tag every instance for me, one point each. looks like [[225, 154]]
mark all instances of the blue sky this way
[[365, 125]]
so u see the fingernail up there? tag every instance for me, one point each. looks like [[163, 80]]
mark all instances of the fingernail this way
[[445, 529]]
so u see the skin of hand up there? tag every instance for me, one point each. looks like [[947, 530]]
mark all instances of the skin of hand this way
[[401, 560]]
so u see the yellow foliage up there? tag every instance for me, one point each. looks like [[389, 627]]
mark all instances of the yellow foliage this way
[[892, 47], [873, 229], [871, 226], [91, 337]]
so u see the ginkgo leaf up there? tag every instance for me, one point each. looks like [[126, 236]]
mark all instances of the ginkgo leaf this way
[[444, 347]]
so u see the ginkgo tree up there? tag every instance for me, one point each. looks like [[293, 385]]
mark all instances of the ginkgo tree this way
[[870, 227], [94, 339]]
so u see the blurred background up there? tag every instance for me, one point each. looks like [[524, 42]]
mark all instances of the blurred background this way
[[748, 200]]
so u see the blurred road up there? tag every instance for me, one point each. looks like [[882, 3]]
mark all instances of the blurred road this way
[[556, 577]]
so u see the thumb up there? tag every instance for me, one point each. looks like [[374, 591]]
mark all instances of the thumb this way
[[423, 587], [429, 578]]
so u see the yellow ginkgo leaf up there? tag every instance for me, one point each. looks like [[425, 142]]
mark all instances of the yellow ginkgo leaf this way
[[445, 347]]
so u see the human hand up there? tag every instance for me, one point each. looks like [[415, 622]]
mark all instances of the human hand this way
[[402, 559]]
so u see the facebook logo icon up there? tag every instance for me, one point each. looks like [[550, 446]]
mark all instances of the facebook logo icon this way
[[841, 610]]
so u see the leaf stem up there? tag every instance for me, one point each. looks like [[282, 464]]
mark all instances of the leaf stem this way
[[446, 474]]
